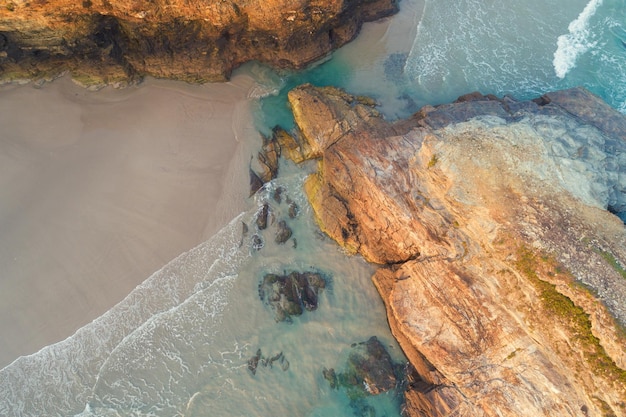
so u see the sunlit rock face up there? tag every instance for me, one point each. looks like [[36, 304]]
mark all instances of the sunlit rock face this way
[[502, 268], [119, 41]]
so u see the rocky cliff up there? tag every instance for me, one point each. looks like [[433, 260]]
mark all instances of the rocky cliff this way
[[118, 41], [502, 266]]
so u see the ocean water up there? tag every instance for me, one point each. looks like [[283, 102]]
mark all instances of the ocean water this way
[[179, 344], [436, 50]]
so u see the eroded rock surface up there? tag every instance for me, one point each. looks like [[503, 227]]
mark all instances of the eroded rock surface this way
[[502, 268], [116, 41]]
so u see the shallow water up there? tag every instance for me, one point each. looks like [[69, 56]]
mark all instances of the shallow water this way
[[179, 343]]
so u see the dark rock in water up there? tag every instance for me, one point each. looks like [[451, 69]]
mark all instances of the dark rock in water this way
[[369, 371], [259, 359], [253, 362], [289, 295], [278, 194], [394, 65], [262, 216], [244, 233], [293, 209], [331, 376], [255, 182], [283, 233], [257, 242]]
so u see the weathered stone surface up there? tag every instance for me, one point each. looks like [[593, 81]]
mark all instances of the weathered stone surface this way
[[487, 216], [283, 232], [118, 41], [290, 295]]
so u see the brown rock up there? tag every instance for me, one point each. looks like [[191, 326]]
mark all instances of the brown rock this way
[[283, 232], [119, 41], [486, 237]]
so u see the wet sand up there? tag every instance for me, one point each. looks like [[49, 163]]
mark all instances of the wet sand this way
[[100, 189]]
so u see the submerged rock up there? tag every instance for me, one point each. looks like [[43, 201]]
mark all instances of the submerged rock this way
[[277, 195], [259, 359], [369, 371], [488, 218], [290, 295]]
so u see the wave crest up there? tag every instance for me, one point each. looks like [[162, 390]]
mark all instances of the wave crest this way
[[575, 43]]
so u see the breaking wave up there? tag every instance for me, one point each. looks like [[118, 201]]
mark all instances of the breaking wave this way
[[575, 43]]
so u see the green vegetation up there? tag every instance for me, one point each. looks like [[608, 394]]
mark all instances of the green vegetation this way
[[433, 161], [608, 256], [511, 355], [574, 316]]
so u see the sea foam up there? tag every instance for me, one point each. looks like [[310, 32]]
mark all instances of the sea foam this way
[[575, 43], [62, 377]]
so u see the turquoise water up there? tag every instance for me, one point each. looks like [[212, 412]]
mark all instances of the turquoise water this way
[[179, 344], [522, 49]]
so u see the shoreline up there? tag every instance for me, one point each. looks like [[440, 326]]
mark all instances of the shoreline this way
[[99, 190], [25, 303]]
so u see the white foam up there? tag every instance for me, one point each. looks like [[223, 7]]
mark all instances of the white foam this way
[[45, 381], [575, 43]]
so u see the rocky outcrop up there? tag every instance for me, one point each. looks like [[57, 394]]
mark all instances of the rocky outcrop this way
[[291, 294], [119, 41], [502, 266]]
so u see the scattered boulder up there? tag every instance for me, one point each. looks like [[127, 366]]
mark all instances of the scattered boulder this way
[[257, 242], [253, 362], [283, 233], [293, 209], [262, 216], [289, 295], [244, 233], [278, 194]]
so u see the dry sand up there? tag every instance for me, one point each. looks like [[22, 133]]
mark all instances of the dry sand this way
[[100, 189]]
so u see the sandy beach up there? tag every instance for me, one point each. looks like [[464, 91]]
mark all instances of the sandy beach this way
[[100, 189]]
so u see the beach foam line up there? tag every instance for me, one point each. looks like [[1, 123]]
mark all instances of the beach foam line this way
[[575, 43]]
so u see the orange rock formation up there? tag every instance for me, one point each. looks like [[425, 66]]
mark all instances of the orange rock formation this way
[[501, 269], [117, 41]]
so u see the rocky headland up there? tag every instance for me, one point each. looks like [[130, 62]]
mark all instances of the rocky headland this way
[[502, 263], [115, 41]]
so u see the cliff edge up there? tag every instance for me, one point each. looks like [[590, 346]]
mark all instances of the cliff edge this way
[[502, 263], [115, 41]]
